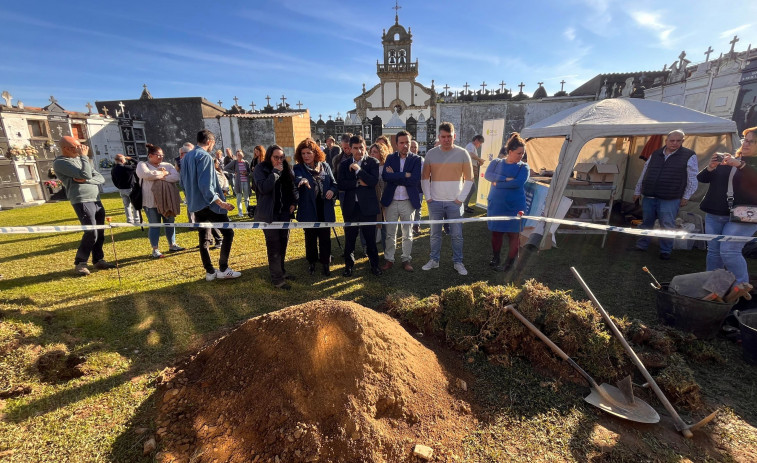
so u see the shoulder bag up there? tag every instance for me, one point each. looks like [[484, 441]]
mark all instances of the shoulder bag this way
[[743, 214]]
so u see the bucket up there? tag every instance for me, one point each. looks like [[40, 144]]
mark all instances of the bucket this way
[[748, 327], [702, 318]]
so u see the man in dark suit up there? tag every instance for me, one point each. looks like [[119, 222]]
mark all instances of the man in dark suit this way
[[402, 175], [357, 178]]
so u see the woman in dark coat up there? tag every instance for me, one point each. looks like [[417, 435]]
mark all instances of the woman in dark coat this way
[[277, 199], [318, 190], [742, 167]]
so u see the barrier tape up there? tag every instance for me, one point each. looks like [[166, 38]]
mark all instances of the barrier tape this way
[[680, 235]]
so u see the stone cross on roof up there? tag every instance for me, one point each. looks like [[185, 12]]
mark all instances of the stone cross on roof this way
[[446, 89], [733, 42], [299, 104], [268, 100], [122, 106], [105, 111], [7, 97], [396, 9], [540, 83], [521, 87], [707, 53], [236, 101], [682, 57], [320, 117], [252, 105], [89, 107], [562, 84], [502, 86], [52, 99], [466, 87], [283, 100], [483, 86]]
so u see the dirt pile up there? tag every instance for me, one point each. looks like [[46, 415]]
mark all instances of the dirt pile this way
[[322, 381]]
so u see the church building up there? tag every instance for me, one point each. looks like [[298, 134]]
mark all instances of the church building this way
[[397, 97]]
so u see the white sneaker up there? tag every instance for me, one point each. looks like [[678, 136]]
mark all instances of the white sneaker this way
[[460, 268], [227, 274], [156, 254], [211, 276], [430, 264]]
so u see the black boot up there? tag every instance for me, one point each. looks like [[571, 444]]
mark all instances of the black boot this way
[[495, 260], [507, 266]]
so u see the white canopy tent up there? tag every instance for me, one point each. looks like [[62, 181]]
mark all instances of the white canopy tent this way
[[615, 131]]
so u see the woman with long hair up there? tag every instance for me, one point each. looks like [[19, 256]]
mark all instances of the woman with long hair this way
[[258, 155], [276, 197], [507, 196], [150, 172], [317, 193], [739, 170], [242, 172]]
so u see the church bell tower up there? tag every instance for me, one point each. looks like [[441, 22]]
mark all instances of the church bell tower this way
[[397, 63]]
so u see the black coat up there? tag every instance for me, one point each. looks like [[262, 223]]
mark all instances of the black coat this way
[[267, 181], [306, 209], [366, 195], [123, 174]]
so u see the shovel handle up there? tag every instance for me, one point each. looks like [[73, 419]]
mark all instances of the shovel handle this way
[[680, 425], [551, 345]]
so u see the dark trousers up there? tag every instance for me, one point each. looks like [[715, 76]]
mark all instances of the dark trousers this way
[[318, 239], [276, 242], [368, 232], [90, 213], [206, 237]]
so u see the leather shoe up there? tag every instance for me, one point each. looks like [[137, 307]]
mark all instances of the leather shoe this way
[[664, 256], [469, 210], [347, 272], [311, 269], [103, 265], [387, 265], [326, 271], [376, 271], [407, 266]]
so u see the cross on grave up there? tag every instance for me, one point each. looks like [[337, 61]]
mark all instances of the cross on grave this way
[[89, 107], [105, 111], [268, 100], [283, 100], [236, 101], [483, 86], [252, 105], [52, 99], [299, 104], [540, 83], [681, 57], [144, 86], [121, 105], [605, 83], [329, 116], [220, 103], [446, 89], [502, 86], [466, 87], [733, 42], [7, 97], [562, 84], [707, 53], [521, 87]]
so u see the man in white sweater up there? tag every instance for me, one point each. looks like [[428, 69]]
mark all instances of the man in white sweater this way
[[447, 178]]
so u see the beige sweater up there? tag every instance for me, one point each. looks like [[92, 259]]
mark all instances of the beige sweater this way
[[150, 174]]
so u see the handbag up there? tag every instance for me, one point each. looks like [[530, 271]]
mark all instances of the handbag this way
[[135, 195], [741, 214]]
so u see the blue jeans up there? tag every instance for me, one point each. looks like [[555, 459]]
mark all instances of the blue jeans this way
[[666, 210], [727, 254], [437, 211], [153, 216], [243, 190]]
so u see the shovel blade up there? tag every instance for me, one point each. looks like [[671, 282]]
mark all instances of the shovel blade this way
[[613, 401]]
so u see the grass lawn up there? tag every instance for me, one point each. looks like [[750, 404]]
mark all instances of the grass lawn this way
[[163, 309]]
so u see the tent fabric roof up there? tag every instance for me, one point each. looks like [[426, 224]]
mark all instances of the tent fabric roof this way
[[627, 117]]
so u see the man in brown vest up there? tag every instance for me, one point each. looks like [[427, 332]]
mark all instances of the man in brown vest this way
[[668, 180]]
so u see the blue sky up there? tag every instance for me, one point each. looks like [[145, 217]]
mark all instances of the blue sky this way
[[320, 52]]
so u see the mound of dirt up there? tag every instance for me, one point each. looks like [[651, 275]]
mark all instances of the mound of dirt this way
[[322, 381]]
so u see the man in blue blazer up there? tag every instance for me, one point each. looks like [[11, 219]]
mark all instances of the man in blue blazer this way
[[357, 178], [402, 175]]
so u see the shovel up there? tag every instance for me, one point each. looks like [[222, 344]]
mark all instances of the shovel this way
[[615, 401], [682, 427]]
